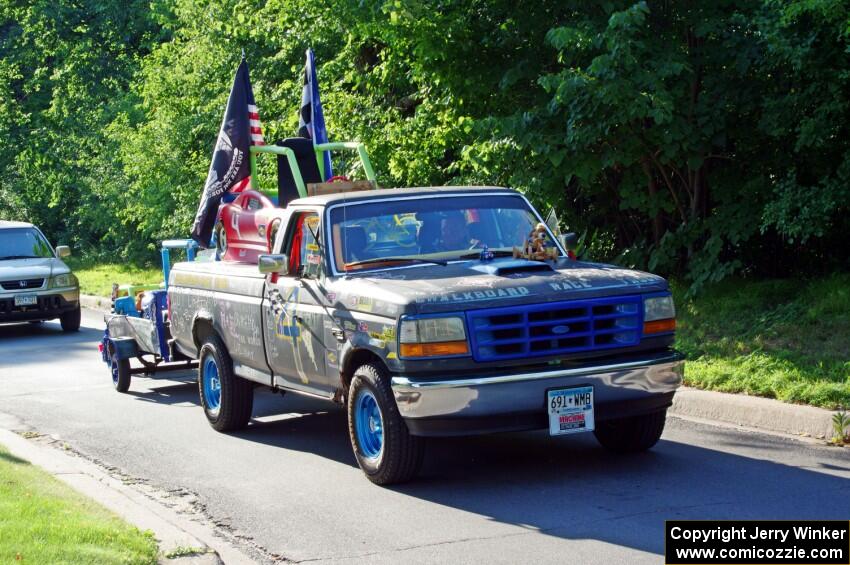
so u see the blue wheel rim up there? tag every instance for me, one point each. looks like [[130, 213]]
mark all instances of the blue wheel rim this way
[[368, 425], [211, 385]]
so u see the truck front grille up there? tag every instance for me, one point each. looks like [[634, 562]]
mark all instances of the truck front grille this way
[[22, 284], [538, 330]]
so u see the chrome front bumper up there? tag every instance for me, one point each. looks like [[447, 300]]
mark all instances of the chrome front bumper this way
[[640, 384]]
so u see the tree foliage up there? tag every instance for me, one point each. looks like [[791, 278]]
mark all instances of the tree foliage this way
[[684, 137]]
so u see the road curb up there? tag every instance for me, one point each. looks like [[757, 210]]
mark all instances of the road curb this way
[[95, 302], [753, 412], [172, 531]]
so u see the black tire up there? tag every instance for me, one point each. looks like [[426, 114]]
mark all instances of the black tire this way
[[401, 454], [220, 240], [236, 394], [273, 229], [70, 321], [631, 435], [122, 382]]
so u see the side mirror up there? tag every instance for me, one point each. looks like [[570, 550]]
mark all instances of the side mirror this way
[[63, 251], [277, 263], [569, 240]]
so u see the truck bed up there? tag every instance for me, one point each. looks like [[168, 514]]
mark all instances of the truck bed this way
[[229, 296]]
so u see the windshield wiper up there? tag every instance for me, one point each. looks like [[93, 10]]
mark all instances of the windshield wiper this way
[[19, 257], [495, 252], [393, 260]]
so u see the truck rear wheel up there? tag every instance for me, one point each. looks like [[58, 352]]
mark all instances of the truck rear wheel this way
[[228, 400], [383, 446], [631, 435]]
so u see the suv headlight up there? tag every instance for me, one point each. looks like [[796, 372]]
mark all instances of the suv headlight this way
[[64, 280], [433, 337], [659, 314]]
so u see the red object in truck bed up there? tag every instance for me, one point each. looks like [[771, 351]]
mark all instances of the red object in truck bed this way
[[248, 226]]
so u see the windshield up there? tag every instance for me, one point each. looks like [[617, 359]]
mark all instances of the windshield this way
[[434, 228], [23, 243]]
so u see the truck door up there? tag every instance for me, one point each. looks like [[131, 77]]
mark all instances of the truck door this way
[[296, 346]]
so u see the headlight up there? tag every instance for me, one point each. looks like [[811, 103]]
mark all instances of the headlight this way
[[60, 281], [433, 337], [659, 314]]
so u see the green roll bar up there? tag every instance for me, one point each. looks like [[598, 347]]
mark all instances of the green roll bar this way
[[320, 148]]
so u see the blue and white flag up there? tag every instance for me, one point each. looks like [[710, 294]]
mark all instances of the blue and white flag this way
[[311, 120]]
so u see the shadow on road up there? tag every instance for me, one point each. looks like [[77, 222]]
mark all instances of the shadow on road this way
[[571, 487], [297, 422], [568, 488], [48, 330]]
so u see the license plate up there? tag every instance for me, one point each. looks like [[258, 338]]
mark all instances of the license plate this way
[[26, 300], [570, 410]]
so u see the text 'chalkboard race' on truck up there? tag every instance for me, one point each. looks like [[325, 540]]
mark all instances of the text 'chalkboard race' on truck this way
[[430, 312]]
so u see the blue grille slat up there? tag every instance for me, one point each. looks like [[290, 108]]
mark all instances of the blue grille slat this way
[[557, 337], [502, 327], [583, 325], [557, 321]]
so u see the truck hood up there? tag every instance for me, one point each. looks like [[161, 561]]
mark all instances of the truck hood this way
[[477, 284], [42, 267]]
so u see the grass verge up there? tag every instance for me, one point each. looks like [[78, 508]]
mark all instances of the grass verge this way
[[784, 339], [44, 521], [97, 279]]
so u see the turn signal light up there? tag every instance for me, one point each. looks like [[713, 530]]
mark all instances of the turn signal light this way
[[659, 326], [436, 349]]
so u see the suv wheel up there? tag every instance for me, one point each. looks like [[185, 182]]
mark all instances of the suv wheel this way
[[70, 321]]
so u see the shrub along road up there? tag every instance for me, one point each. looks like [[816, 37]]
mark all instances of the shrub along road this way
[[290, 482]]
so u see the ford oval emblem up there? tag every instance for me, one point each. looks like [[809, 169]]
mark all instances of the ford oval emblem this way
[[560, 330]]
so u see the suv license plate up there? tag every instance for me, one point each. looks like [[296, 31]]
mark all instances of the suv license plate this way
[[570, 410], [26, 300]]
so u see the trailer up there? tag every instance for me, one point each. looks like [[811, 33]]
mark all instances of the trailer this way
[[138, 328]]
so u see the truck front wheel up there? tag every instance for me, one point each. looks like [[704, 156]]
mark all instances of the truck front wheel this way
[[383, 446], [631, 435], [227, 400]]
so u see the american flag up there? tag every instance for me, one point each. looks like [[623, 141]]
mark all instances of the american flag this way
[[256, 127]]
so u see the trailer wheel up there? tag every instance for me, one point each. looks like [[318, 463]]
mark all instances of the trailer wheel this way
[[633, 434], [227, 400], [383, 446], [120, 370]]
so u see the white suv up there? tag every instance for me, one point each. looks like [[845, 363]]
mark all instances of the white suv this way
[[35, 285]]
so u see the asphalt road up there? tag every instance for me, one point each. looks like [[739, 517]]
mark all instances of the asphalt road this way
[[291, 483]]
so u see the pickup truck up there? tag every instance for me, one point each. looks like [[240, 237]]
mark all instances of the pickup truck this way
[[417, 310]]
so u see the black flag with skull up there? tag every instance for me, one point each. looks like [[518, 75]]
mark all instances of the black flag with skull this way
[[230, 166]]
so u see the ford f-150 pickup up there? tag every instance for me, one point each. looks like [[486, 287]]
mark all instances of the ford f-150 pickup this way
[[418, 309]]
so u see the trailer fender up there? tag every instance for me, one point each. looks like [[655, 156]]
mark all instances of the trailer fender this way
[[125, 347]]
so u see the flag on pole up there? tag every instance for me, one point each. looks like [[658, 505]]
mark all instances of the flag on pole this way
[[311, 119], [230, 166]]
